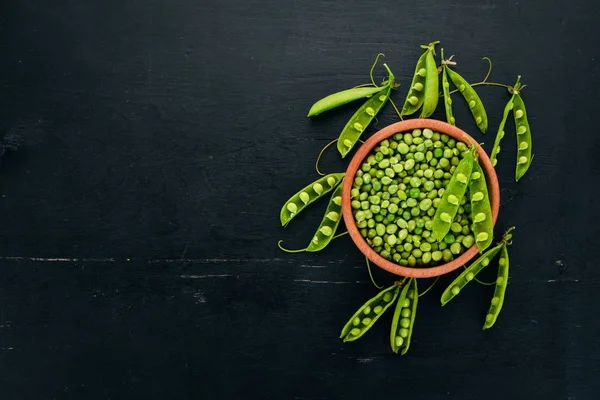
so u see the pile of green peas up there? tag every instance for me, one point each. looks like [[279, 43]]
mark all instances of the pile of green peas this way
[[396, 192]]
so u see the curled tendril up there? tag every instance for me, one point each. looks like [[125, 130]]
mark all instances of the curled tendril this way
[[321, 154], [430, 287], [371, 275], [373, 67]]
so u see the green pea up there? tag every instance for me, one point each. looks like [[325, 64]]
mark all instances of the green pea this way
[[456, 248], [425, 204], [447, 255], [456, 227], [390, 229]]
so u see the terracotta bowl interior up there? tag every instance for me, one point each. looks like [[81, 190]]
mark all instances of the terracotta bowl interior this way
[[356, 162]]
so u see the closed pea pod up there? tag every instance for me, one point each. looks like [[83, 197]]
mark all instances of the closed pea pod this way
[[416, 92], [454, 192], [500, 289], [361, 119], [481, 210], [308, 195], [472, 99], [344, 97], [446, 90], [369, 313], [523, 136], [430, 100]]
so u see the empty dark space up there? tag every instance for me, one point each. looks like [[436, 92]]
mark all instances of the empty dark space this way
[[148, 146]]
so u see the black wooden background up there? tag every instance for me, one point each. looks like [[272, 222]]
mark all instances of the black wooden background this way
[[156, 141]]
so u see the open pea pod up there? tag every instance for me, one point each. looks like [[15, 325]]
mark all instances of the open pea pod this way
[[523, 137], [446, 91], [453, 193], [416, 93], [481, 209], [471, 271], [404, 317], [499, 291], [344, 97], [329, 223], [471, 97], [469, 274], [308, 195], [369, 313], [500, 134], [363, 117]]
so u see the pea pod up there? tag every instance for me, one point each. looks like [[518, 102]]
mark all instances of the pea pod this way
[[446, 90], [499, 291], [344, 97], [369, 313], [404, 317], [472, 99], [363, 117], [481, 210], [453, 193], [416, 93], [430, 100], [469, 274], [329, 223], [308, 195], [523, 137], [500, 134]]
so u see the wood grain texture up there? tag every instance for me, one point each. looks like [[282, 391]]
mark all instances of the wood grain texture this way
[[157, 142]]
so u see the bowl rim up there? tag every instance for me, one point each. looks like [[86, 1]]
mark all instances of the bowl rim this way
[[362, 153]]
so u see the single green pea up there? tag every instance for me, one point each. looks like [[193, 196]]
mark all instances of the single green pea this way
[[456, 248], [447, 255], [456, 227]]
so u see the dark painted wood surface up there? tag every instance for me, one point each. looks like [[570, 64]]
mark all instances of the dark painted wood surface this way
[[158, 139]]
